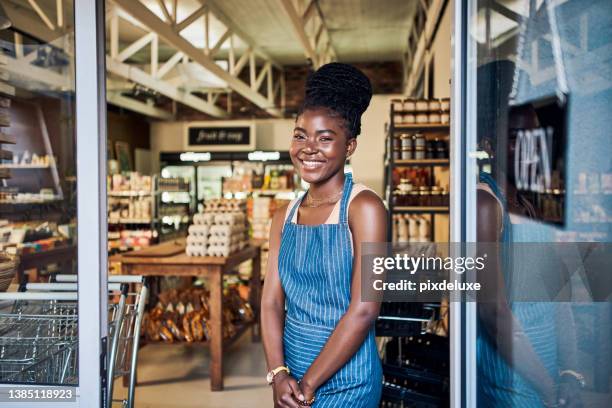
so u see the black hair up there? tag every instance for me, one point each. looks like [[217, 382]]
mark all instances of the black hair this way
[[341, 89]]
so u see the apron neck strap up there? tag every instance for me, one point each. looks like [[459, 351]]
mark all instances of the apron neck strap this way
[[346, 193], [348, 187]]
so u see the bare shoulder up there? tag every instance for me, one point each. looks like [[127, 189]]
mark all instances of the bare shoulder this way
[[367, 205], [279, 215]]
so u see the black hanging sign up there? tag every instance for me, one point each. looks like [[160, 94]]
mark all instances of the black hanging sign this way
[[537, 162], [215, 136]]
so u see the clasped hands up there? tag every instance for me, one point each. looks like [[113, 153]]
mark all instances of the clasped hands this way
[[288, 392]]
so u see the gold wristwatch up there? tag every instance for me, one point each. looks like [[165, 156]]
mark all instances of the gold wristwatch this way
[[272, 373]]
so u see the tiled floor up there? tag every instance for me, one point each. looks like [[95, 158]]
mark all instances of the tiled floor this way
[[177, 376]]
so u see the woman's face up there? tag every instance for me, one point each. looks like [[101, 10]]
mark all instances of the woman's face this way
[[320, 145]]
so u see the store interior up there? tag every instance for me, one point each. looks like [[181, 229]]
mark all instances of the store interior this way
[[191, 150], [202, 98]]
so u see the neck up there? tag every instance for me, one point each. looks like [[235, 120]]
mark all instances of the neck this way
[[328, 187]]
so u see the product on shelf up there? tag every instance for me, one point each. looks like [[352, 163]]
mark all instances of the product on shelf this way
[[130, 239], [173, 184], [183, 315], [220, 230], [410, 228], [132, 182], [423, 111]]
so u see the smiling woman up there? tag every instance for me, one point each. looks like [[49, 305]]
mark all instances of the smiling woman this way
[[322, 348]]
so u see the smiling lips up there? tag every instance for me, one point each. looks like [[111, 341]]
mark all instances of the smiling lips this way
[[312, 164]]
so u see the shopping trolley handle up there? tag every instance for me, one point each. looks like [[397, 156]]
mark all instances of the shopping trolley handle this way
[[111, 278]]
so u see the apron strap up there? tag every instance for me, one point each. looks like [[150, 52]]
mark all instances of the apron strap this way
[[292, 209], [348, 187]]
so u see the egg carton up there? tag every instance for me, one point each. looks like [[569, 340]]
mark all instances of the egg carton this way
[[226, 230], [199, 230], [204, 219], [196, 250], [230, 218], [197, 240], [219, 240]]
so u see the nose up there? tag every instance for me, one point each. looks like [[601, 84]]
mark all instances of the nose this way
[[311, 146]]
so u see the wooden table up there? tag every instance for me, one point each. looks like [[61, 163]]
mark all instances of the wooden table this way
[[63, 255], [148, 262]]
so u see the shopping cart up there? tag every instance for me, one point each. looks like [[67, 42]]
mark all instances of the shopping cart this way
[[38, 338], [125, 312]]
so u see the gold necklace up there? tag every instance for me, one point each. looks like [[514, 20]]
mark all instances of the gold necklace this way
[[317, 202]]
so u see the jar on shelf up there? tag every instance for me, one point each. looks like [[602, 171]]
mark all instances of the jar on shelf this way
[[401, 198], [434, 105], [424, 196], [445, 198], [398, 118], [441, 149], [405, 140], [430, 149], [445, 104], [409, 105], [422, 118], [418, 140], [397, 154], [436, 196], [419, 153], [422, 105], [434, 118], [397, 105], [409, 118], [445, 118], [413, 198], [407, 153], [405, 185]]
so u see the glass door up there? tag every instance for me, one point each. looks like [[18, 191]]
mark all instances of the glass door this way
[[52, 204], [537, 187]]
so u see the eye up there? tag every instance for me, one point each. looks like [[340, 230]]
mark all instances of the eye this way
[[326, 138], [298, 136]]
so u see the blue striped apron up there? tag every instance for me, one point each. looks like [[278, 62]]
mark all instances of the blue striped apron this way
[[315, 265]]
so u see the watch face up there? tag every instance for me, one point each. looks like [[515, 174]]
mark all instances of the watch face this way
[[270, 377]]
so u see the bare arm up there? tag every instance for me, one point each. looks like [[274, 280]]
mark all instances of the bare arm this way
[[351, 331], [498, 320], [273, 318]]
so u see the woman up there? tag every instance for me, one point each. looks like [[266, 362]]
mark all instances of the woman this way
[[321, 348]]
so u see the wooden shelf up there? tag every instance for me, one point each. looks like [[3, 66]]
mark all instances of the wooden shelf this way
[[129, 193], [28, 202], [130, 221], [424, 126], [7, 139], [422, 162], [24, 166], [420, 209]]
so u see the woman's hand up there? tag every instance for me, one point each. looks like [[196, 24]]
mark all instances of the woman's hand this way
[[307, 390], [286, 390], [570, 393]]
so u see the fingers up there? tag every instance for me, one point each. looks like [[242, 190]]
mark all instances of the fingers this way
[[295, 389], [286, 401]]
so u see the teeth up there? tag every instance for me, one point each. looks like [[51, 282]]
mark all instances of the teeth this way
[[312, 164]]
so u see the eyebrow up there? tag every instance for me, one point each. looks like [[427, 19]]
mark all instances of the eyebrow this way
[[318, 132]]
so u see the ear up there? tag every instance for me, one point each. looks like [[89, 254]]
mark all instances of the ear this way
[[351, 145]]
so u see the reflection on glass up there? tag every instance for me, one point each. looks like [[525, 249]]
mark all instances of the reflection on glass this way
[[539, 184], [38, 329]]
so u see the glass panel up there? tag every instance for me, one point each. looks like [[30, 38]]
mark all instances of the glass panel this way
[[38, 338], [542, 93]]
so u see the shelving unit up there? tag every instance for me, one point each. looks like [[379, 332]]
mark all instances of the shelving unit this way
[[392, 163], [424, 371]]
